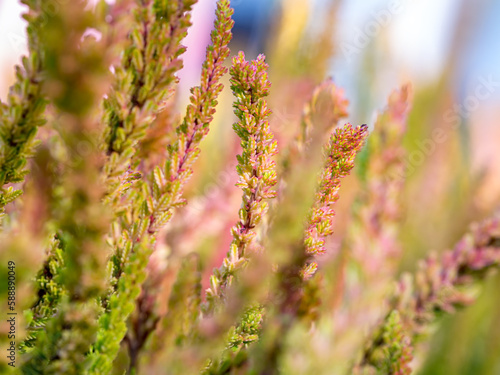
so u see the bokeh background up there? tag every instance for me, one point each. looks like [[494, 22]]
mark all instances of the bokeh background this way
[[449, 50]]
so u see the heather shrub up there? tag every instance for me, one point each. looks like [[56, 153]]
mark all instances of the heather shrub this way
[[123, 267]]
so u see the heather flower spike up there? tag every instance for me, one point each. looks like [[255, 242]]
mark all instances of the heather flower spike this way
[[256, 168], [81, 219], [23, 113], [154, 199], [373, 236], [291, 302], [320, 115], [340, 152], [380, 202], [48, 280], [144, 79], [440, 285], [195, 126], [396, 350]]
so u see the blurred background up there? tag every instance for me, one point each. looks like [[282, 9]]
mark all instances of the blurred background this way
[[449, 50]]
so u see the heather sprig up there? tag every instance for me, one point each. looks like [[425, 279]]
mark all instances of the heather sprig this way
[[239, 338], [199, 114], [49, 280], [379, 203], [256, 168], [257, 176], [288, 304], [396, 350], [320, 116], [22, 114], [341, 151], [440, 286], [373, 238], [50, 290], [288, 301], [81, 219], [112, 325], [152, 201], [326, 108], [142, 81], [166, 183]]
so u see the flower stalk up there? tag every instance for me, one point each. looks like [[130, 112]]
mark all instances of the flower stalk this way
[[439, 286], [342, 148], [256, 168], [23, 112]]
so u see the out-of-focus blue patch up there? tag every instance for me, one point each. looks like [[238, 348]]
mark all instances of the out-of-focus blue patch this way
[[482, 53], [252, 20]]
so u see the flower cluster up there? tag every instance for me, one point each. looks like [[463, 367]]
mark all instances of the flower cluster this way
[[340, 152], [373, 236], [256, 168], [439, 286], [396, 351], [320, 115], [144, 78], [292, 298], [380, 203], [141, 207]]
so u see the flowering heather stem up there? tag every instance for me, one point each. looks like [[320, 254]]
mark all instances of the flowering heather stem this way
[[48, 279], [394, 349], [256, 169], [21, 116], [163, 26], [372, 242], [81, 219], [50, 292], [340, 152], [320, 115], [143, 80], [316, 121], [440, 286], [112, 324], [380, 203], [167, 182], [153, 200]]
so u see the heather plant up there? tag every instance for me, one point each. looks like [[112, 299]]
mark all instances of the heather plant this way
[[94, 204]]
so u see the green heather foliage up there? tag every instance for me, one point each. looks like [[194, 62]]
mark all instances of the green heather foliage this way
[[21, 116], [87, 208]]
